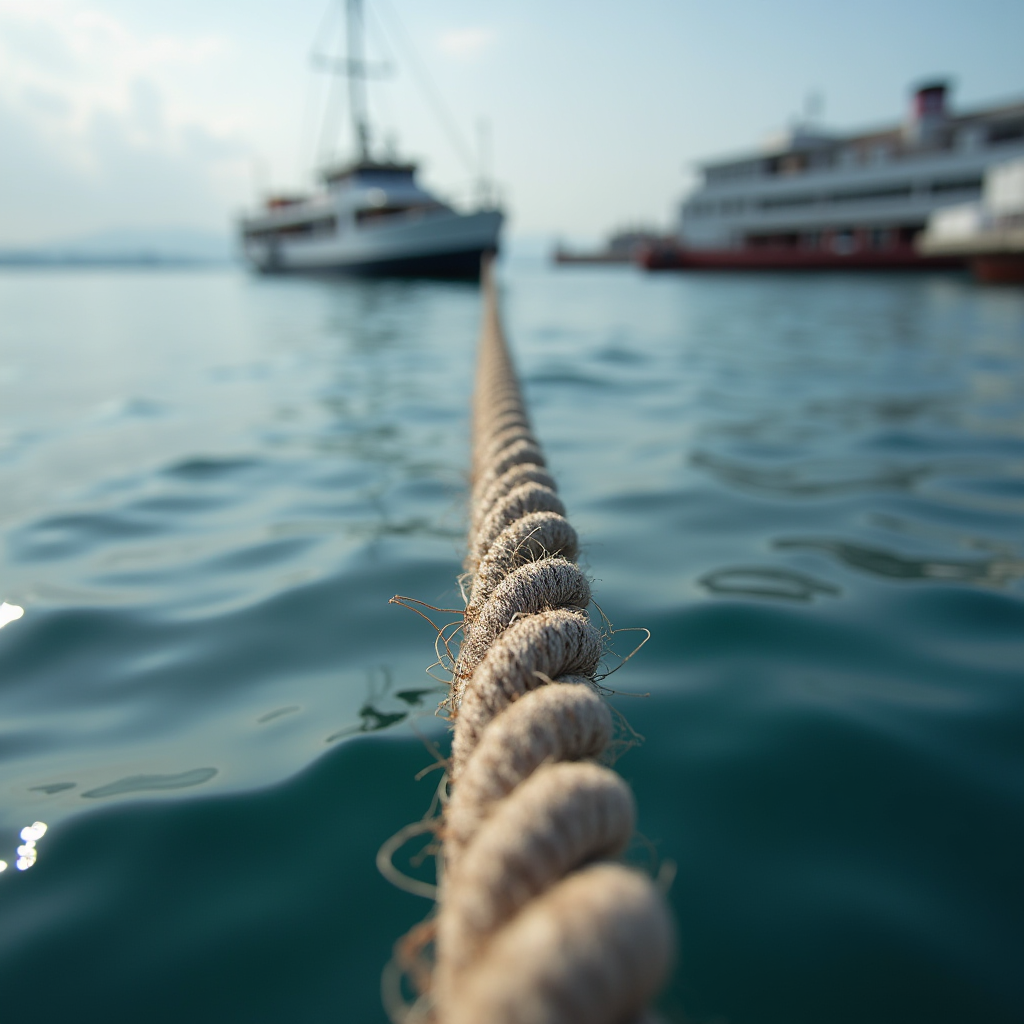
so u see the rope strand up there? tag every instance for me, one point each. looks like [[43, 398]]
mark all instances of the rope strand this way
[[535, 924]]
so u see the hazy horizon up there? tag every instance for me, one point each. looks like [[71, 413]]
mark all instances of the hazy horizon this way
[[174, 116]]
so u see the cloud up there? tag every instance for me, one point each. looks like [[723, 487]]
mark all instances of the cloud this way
[[89, 56], [112, 176], [95, 132], [466, 43]]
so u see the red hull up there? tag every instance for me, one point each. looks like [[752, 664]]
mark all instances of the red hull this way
[[999, 268], [677, 258]]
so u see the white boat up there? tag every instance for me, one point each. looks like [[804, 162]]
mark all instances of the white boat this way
[[370, 216], [814, 200]]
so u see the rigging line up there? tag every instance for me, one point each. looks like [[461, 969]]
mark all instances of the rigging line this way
[[356, 72], [332, 115], [306, 156], [386, 115], [430, 90]]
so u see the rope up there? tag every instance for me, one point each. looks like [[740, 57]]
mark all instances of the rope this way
[[535, 924]]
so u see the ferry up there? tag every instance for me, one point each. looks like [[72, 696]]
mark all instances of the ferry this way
[[370, 216], [816, 200]]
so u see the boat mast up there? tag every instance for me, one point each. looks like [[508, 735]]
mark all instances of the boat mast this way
[[356, 67]]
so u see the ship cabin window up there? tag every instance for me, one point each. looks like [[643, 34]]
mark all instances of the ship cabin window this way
[[782, 240], [883, 192], [305, 229], [376, 214], [970, 138], [955, 185], [879, 238], [792, 163], [1006, 131], [786, 202], [810, 240], [844, 241]]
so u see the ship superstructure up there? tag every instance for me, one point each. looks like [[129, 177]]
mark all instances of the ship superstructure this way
[[814, 198], [370, 216]]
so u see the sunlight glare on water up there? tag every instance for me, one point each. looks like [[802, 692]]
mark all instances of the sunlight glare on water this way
[[10, 613]]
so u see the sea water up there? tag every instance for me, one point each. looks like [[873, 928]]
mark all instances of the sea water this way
[[810, 489]]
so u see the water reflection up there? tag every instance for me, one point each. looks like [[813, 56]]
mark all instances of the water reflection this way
[[810, 479], [277, 713], [879, 562], [944, 535], [414, 697], [372, 716], [142, 783], [784, 584]]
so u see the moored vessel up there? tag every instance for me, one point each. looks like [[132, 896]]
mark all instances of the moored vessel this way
[[814, 200], [370, 216], [622, 247]]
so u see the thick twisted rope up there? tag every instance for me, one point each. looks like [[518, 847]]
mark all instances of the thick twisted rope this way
[[536, 925]]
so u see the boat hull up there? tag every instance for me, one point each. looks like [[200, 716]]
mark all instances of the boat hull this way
[[447, 266], [447, 245], [996, 255], [999, 268]]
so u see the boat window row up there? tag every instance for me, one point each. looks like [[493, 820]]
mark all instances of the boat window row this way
[[321, 227], [838, 240], [326, 226], [944, 187], [866, 151], [379, 213]]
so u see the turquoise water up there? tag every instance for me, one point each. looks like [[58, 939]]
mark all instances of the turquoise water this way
[[810, 489]]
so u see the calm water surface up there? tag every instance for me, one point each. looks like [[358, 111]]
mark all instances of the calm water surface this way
[[810, 489]]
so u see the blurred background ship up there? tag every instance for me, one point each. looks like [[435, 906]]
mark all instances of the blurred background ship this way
[[625, 246], [371, 216], [818, 200]]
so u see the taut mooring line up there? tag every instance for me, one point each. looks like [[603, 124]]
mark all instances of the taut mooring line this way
[[536, 921]]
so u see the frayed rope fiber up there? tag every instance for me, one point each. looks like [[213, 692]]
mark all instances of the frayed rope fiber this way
[[536, 922]]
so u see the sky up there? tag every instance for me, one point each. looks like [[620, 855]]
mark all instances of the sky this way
[[124, 114]]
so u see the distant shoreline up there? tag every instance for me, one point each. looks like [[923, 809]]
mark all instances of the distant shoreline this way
[[58, 260]]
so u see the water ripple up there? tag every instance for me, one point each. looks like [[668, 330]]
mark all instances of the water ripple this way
[[766, 582], [993, 571], [807, 488], [810, 478], [149, 783]]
